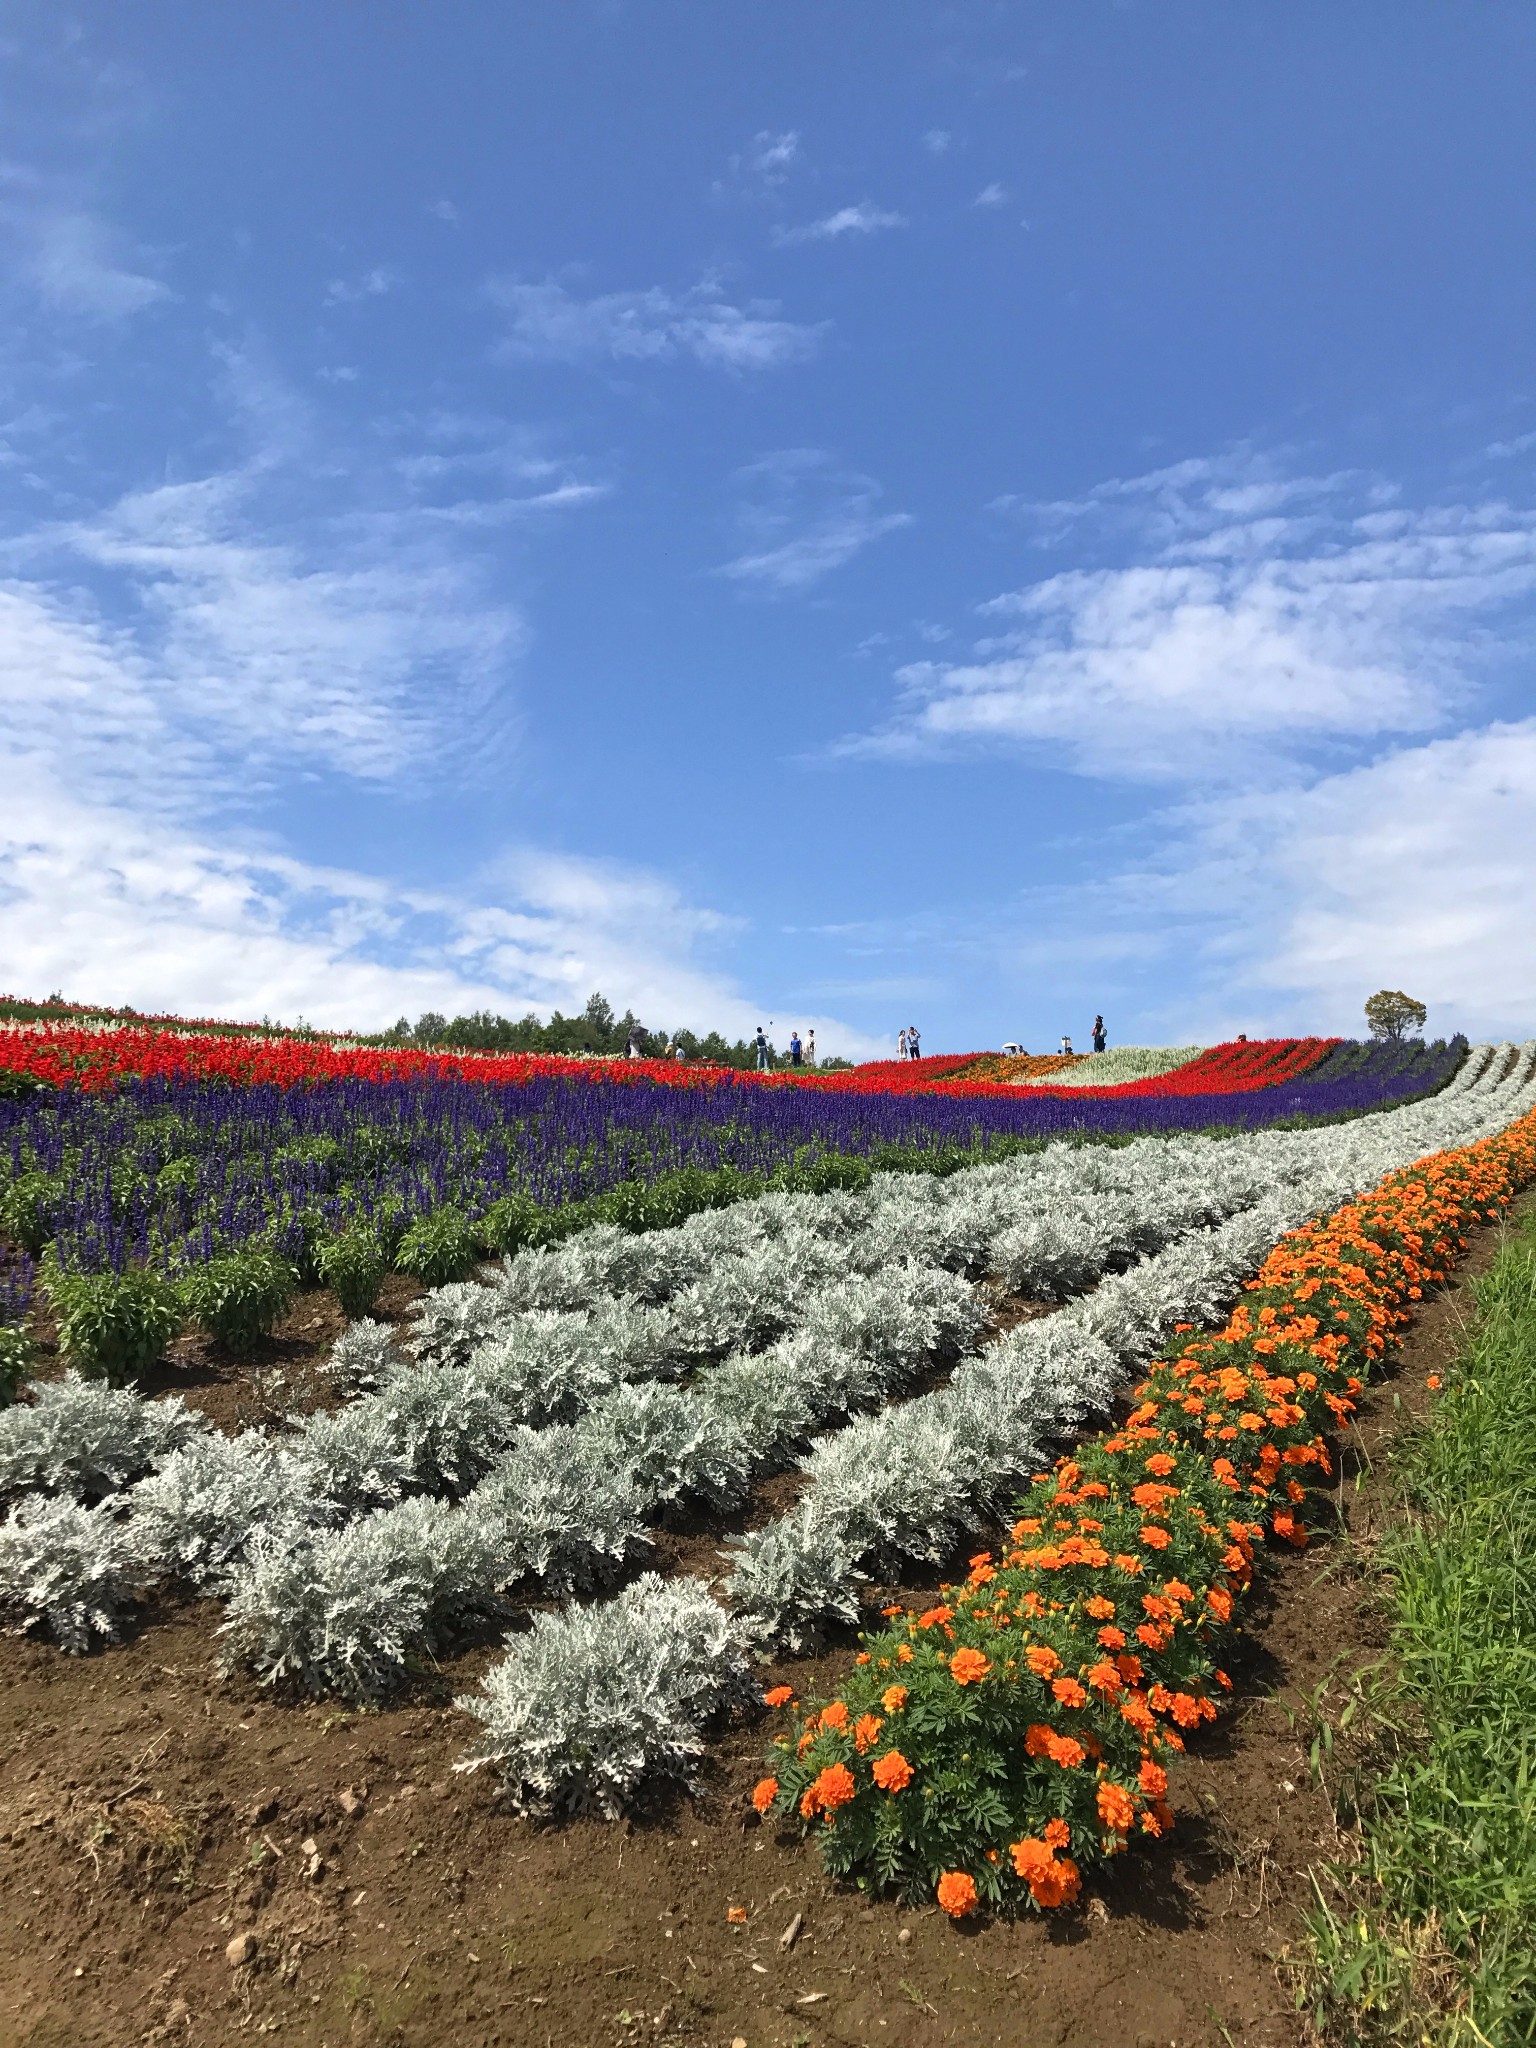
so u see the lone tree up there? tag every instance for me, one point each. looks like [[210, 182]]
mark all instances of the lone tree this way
[[1391, 1014]]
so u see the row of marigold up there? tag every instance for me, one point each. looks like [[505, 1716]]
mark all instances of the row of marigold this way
[[987, 1749]]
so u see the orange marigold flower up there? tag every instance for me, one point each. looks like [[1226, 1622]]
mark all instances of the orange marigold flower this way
[[1038, 1739], [892, 1772], [1154, 1537], [1100, 1608], [1057, 1833], [828, 1790], [1219, 1600], [764, 1793], [1058, 1885], [1064, 1751], [835, 1714], [865, 1729], [1104, 1678], [1160, 1464], [1112, 1638], [778, 1696], [904, 1653], [933, 1617], [969, 1667], [894, 1698], [1069, 1692], [1433, 1382], [1042, 1660], [957, 1893], [1116, 1809], [1030, 1857]]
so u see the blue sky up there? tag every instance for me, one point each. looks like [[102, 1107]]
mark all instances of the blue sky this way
[[973, 514]]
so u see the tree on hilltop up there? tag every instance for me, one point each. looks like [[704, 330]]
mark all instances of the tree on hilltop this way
[[1393, 1015]]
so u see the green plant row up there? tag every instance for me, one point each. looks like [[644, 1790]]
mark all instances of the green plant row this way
[[1429, 1936]]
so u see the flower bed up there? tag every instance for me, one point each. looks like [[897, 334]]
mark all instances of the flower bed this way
[[987, 1749], [1231, 1069]]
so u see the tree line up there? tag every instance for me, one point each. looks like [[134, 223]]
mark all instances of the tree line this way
[[596, 1029]]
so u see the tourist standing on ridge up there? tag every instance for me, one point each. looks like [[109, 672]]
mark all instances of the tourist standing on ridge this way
[[762, 1050], [796, 1049], [901, 1043], [634, 1042], [1100, 1038], [810, 1047], [912, 1043]]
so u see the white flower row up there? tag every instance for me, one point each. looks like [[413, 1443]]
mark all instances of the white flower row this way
[[1120, 1063]]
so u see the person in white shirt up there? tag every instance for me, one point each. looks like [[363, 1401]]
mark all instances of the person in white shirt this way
[[901, 1043]]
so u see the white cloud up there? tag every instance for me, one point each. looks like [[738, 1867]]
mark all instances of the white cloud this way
[[175, 665], [991, 195], [1263, 613], [72, 258], [371, 284], [937, 141], [805, 518], [445, 210], [771, 155], [863, 219], [352, 654], [547, 322], [1415, 871], [112, 905]]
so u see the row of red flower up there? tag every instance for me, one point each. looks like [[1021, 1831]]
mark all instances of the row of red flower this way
[[1236, 1068], [91, 1058], [986, 1749]]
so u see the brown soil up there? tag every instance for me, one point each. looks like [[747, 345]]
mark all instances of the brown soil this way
[[153, 1812]]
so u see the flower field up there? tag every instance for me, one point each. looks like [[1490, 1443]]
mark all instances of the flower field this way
[[820, 1302]]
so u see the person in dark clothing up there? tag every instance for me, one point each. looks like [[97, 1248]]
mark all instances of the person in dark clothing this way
[[762, 1050], [1100, 1039], [796, 1049]]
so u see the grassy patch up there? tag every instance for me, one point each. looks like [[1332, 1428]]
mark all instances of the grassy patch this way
[[1432, 1936]]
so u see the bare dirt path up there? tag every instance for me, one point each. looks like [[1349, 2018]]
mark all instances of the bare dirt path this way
[[152, 1813]]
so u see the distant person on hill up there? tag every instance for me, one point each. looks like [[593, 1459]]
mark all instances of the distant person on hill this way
[[810, 1048], [796, 1050], [901, 1043], [761, 1043], [633, 1043], [1100, 1038], [1066, 1044], [912, 1043]]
